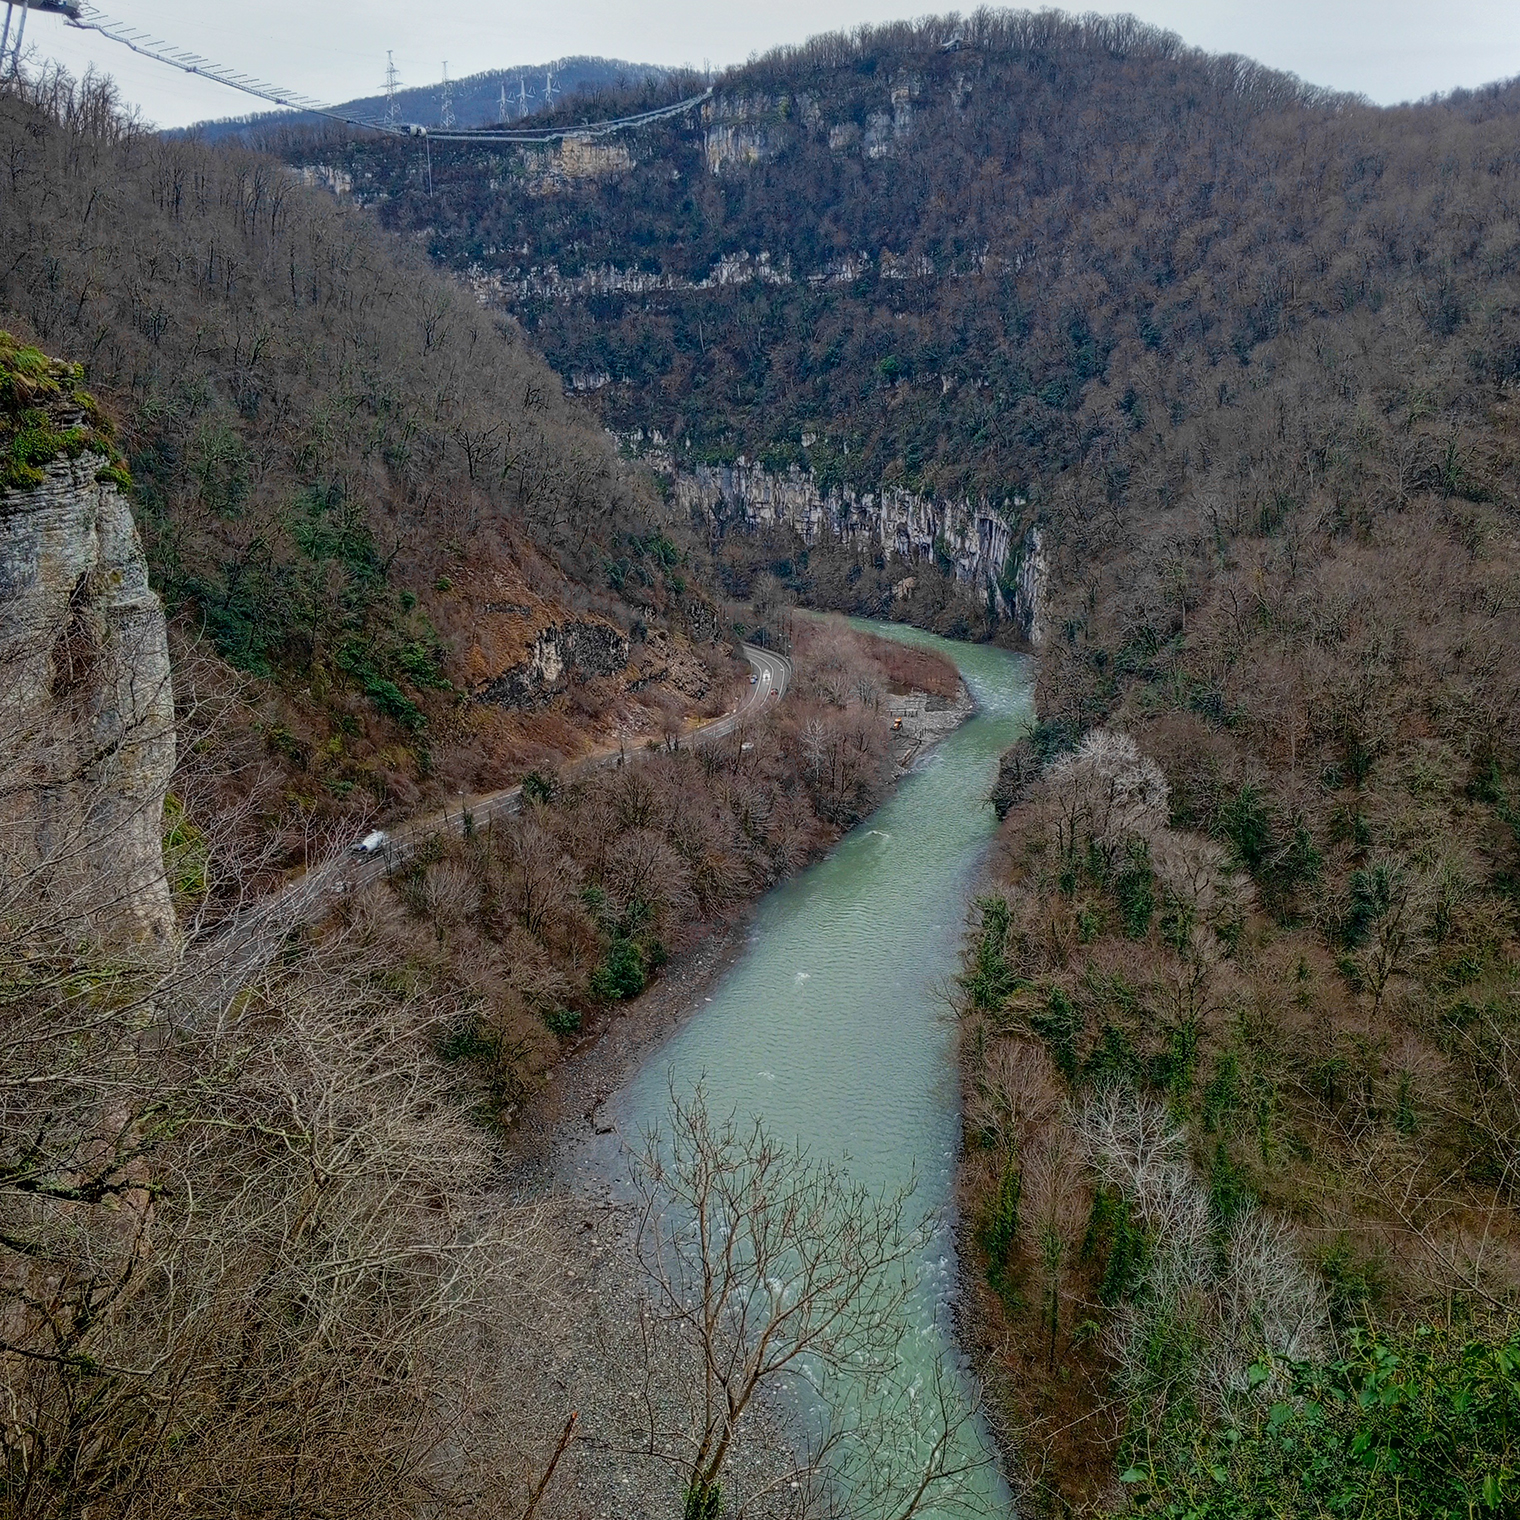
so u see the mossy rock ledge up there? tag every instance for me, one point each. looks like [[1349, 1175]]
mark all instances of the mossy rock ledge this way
[[47, 415]]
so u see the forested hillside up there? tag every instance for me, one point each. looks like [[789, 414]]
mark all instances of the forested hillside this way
[[1241, 1013], [363, 498], [1241, 1008], [1007, 255]]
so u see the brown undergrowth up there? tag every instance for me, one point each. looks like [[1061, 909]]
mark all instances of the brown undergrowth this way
[[363, 500]]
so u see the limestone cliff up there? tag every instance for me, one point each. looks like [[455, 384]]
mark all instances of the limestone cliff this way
[[86, 702], [981, 544], [1030, 580]]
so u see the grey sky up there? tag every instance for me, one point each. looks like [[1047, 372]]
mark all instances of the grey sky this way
[[335, 49]]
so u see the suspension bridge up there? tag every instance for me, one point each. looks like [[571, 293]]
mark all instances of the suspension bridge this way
[[90, 18]]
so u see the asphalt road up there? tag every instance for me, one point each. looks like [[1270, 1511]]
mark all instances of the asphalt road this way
[[309, 895]]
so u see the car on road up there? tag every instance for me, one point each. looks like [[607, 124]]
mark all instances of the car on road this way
[[372, 842], [753, 678]]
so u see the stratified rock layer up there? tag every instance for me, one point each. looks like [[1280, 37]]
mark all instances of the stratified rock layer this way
[[86, 709], [980, 544]]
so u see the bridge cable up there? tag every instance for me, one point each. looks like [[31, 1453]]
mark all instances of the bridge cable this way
[[90, 18]]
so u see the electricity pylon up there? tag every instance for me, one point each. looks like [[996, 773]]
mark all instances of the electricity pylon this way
[[392, 79]]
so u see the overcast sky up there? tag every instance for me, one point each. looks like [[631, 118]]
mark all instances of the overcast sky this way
[[1390, 50]]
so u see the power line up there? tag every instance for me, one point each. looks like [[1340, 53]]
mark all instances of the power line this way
[[90, 18]]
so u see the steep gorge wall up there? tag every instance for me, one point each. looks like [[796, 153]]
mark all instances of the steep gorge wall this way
[[985, 551], [86, 707]]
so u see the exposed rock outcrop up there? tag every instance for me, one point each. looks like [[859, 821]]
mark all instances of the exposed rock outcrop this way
[[574, 648], [86, 701], [587, 158], [701, 618], [1030, 579], [981, 544], [743, 130]]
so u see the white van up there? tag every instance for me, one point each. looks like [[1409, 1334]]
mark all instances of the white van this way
[[376, 840]]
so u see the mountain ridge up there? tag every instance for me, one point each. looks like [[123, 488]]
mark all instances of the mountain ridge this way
[[476, 99]]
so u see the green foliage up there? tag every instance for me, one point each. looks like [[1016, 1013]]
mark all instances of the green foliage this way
[[218, 466], [991, 980], [45, 414], [1051, 738], [1373, 891], [1230, 1190], [1280, 866], [466, 1040], [1059, 1026], [387, 696], [1427, 1425], [1114, 1057], [187, 854], [1221, 1097], [622, 974], [1115, 1241], [1246, 822], [702, 1501], [1356, 1282], [999, 1230], [115, 475], [563, 1021], [1090, 921], [1177, 922], [1174, 1068], [537, 786], [1297, 864], [1134, 887], [648, 558], [317, 599]]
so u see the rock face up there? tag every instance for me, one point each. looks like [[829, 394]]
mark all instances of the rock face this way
[[742, 130], [976, 541], [86, 707], [578, 648], [1030, 579]]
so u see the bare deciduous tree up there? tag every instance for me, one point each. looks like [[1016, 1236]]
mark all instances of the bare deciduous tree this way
[[769, 1273]]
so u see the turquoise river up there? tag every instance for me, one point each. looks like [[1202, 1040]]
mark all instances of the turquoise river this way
[[834, 1024]]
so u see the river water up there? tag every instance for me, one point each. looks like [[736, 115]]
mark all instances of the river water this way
[[833, 1025]]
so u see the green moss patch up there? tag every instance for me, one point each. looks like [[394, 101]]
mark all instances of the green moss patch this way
[[45, 414]]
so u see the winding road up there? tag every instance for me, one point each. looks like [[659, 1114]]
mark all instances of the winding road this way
[[309, 896]]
